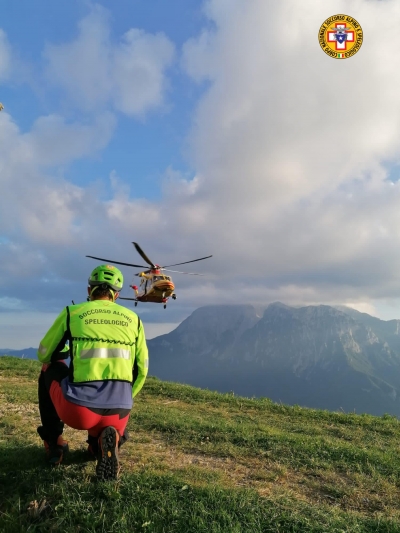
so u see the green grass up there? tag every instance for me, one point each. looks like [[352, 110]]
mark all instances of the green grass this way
[[14, 367], [199, 461]]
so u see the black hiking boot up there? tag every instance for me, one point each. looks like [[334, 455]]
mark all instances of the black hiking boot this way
[[107, 467]]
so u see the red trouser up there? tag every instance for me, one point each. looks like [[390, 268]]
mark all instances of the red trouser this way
[[78, 417], [55, 409]]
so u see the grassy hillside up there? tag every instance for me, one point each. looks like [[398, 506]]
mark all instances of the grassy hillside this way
[[199, 461]]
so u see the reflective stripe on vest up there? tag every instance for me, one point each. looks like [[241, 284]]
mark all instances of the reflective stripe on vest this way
[[105, 353], [42, 349]]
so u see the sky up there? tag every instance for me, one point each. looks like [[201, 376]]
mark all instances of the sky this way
[[197, 127]]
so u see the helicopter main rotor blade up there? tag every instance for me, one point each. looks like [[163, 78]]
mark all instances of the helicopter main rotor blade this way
[[123, 298], [144, 256], [180, 272], [186, 262], [116, 262]]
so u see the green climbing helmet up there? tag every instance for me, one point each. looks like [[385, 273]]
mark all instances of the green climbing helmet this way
[[107, 275]]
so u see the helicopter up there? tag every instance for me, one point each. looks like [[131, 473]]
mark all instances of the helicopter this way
[[155, 286]]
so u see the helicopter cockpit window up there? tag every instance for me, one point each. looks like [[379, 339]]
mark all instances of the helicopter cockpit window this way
[[168, 278]]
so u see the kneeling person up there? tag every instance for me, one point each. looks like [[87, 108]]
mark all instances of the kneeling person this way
[[109, 363]]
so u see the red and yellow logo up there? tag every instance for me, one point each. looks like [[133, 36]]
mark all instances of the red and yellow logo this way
[[340, 36]]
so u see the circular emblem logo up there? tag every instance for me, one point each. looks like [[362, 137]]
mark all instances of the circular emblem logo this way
[[340, 36]]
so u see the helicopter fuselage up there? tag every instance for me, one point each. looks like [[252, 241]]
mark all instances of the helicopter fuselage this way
[[154, 287]]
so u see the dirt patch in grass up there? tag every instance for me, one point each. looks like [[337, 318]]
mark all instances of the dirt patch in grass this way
[[6, 408]]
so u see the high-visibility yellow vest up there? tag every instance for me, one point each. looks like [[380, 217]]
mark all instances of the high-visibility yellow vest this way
[[106, 342]]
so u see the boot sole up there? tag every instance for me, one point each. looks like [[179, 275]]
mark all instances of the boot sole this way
[[107, 467]]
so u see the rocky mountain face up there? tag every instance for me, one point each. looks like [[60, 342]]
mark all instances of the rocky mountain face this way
[[212, 329], [316, 356]]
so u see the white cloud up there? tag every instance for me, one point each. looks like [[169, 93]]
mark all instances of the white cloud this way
[[291, 151], [11, 304], [279, 117], [292, 145], [44, 208], [139, 64], [154, 330], [82, 66], [54, 142], [96, 71], [363, 307]]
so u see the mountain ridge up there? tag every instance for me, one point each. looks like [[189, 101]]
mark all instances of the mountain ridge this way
[[26, 353], [316, 356]]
